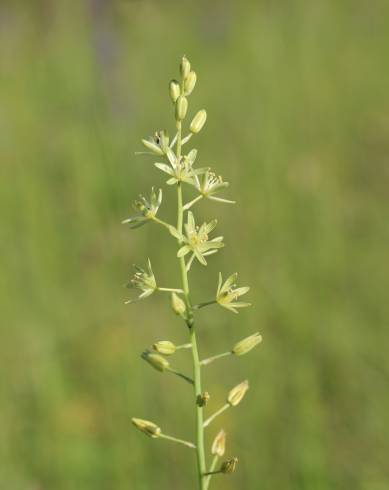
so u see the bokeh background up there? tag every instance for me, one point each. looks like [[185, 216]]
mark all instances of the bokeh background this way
[[298, 122]]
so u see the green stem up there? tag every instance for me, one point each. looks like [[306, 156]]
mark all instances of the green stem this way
[[206, 303], [204, 362], [184, 346], [180, 375], [211, 471], [216, 414], [180, 441], [200, 453], [171, 290]]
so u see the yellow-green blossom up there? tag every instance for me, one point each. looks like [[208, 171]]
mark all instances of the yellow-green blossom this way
[[143, 280], [180, 170], [147, 208], [157, 144], [197, 242], [210, 184], [227, 294]]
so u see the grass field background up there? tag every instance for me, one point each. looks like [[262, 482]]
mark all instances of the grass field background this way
[[298, 122]]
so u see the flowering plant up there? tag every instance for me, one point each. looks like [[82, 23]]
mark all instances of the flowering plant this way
[[193, 242]]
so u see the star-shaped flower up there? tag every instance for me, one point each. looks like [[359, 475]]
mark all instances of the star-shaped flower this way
[[144, 281], [148, 209], [227, 294], [157, 144], [196, 240], [180, 170], [210, 184]]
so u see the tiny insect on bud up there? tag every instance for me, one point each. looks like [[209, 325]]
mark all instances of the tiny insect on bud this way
[[245, 345], [174, 90], [189, 83], [184, 67], [178, 305], [158, 362], [237, 393], [164, 347], [181, 108], [150, 145], [229, 466], [147, 427], [198, 121], [219, 444], [203, 399]]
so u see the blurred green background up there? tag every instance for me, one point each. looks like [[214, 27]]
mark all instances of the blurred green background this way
[[298, 122]]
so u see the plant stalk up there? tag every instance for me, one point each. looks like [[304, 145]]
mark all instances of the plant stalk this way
[[200, 452]]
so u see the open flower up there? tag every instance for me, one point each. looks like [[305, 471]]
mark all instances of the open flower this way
[[180, 170], [143, 280], [157, 144], [147, 208], [210, 184], [227, 294], [196, 240]]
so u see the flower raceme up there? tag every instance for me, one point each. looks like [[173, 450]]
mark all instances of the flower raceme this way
[[193, 242]]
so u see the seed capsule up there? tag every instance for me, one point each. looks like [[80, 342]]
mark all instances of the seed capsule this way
[[237, 393], [147, 427], [178, 305], [189, 83], [165, 347], [181, 108], [158, 362], [184, 67], [198, 121], [245, 345], [174, 90], [219, 444], [229, 466]]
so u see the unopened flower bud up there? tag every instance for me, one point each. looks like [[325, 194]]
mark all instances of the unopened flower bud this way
[[203, 399], [181, 108], [178, 305], [245, 345], [147, 427], [184, 67], [150, 145], [158, 362], [190, 82], [174, 90], [198, 121], [229, 466], [236, 395], [219, 444], [165, 347]]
